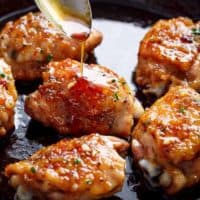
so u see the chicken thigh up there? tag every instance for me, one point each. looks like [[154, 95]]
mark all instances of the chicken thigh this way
[[166, 140], [8, 97], [97, 101], [85, 168], [30, 42], [169, 53]]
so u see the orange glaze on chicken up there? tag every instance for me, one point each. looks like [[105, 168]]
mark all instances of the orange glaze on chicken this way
[[99, 101], [85, 168], [30, 42], [169, 52], [166, 140], [8, 97]]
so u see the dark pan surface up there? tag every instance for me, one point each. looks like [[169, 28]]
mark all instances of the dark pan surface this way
[[165, 8], [123, 28]]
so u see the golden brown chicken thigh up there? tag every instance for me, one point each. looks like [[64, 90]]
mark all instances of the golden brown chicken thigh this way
[[30, 42], [99, 101], [166, 141], [8, 97], [169, 53], [78, 169]]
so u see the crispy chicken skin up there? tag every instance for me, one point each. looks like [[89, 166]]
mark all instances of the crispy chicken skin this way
[[166, 140], [99, 101], [169, 53], [30, 42], [78, 169], [8, 97]]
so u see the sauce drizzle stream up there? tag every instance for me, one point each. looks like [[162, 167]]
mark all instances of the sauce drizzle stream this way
[[81, 38], [82, 56]]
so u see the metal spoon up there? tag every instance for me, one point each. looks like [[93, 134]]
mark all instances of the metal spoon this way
[[74, 17]]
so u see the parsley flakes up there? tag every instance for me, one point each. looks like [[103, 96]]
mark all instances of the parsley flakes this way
[[182, 110], [77, 161], [116, 97], [49, 58], [196, 31], [88, 181], [2, 75], [33, 170]]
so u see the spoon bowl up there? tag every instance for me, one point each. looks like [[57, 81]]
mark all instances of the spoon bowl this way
[[73, 17]]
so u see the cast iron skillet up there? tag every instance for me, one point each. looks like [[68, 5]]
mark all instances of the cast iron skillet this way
[[123, 28]]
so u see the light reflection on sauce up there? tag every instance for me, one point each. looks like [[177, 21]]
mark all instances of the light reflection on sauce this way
[[97, 75]]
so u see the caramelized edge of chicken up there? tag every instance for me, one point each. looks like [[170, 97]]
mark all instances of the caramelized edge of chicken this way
[[165, 151], [93, 159]]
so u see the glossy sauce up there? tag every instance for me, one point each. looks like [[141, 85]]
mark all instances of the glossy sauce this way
[[81, 38], [82, 55]]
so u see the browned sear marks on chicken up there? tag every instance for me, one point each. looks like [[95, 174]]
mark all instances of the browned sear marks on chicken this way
[[99, 100], [169, 53], [84, 168], [166, 141], [8, 97], [30, 42]]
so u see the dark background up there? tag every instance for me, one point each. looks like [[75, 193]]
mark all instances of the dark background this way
[[166, 8]]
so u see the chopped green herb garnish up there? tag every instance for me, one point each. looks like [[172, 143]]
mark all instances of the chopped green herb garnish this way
[[2, 75], [88, 181], [49, 58], [33, 170], [182, 110], [116, 97], [196, 31], [113, 81], [77, 161]]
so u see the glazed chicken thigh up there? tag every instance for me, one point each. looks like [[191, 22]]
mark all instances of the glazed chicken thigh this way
[[8, 97], [169, 53], [30, 42], [99, 100], [166, 140], [78, 169]]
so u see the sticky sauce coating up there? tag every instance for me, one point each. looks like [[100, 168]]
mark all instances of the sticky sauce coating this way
[[169, 53], [8, 97], [167, 137], [82, 168], [31, 42], [98, 100]]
